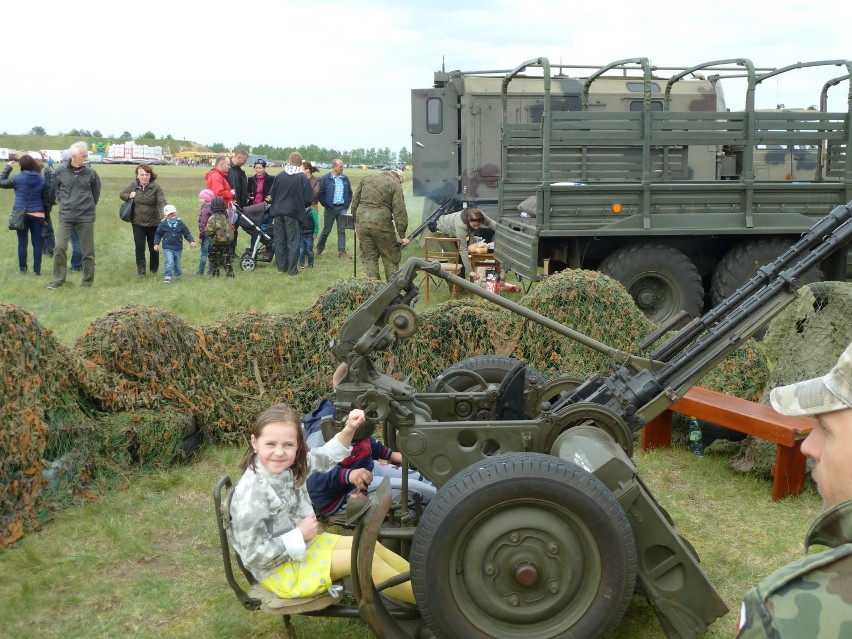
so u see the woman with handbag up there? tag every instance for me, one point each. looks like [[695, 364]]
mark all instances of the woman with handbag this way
[[28, 206], [148, 204]]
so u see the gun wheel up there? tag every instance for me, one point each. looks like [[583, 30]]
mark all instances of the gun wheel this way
[[523, 545], [476, 373]]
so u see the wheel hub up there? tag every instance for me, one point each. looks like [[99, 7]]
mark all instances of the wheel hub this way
[[523, 575]]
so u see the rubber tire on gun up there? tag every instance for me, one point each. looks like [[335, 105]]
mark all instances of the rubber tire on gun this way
[[660, 279], [523, 545]]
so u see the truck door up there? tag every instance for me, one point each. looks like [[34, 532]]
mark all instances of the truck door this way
[[435, 142]]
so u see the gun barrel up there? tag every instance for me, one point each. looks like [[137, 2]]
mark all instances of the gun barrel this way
[[827, 226]]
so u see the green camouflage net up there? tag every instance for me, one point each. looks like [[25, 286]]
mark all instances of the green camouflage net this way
[[803, 341], [141, 383]]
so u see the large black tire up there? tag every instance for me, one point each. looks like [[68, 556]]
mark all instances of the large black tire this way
[[742, 261], [660, 279], [523, 545]]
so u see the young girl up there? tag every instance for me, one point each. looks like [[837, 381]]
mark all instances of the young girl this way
[[273, 526]]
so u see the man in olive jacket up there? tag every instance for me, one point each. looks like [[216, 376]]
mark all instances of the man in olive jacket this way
[[78, 189], [379, 211]]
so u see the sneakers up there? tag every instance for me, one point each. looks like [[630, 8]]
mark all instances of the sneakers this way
[[53, 286], [344, 255], [167, 280], [76, 269]]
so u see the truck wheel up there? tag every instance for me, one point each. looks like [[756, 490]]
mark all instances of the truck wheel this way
[[660, 279], [523, 545], [742, 261]]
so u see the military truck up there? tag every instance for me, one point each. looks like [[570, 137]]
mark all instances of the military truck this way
[[648, 178], [541, 526]]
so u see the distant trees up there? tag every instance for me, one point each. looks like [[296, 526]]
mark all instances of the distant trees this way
[[370, 157], [80, 133], [127, 135], [97, 133], [38, 130], [148, 135]]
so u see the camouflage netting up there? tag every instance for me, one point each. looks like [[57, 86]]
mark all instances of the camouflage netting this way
[[45, 411], [803, 341], [141, 382]]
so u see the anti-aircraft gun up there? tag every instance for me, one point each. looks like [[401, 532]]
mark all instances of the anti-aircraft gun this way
[[542, 526]]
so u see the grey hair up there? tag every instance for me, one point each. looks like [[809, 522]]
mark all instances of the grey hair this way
[[75, 148]]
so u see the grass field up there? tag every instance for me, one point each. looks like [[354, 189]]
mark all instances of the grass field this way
[[70, 309], [144, 561]]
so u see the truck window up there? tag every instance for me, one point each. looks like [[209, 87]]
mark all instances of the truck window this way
[[656, 105], [434, 116], [638, 87]]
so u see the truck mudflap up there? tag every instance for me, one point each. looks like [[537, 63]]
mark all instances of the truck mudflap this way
[[516, 248]]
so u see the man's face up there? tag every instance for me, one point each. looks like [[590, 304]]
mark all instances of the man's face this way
[[79, 158], [830, 446], [239, 160], [223, 166], [337, 168]]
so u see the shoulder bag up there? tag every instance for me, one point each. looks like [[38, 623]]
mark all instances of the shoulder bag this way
[[16, 217], [125, 211]]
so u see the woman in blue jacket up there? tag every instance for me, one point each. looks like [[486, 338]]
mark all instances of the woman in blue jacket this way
[[28, 185]]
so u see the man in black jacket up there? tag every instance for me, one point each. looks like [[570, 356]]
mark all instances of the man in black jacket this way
[[239, 183], [291, 195]]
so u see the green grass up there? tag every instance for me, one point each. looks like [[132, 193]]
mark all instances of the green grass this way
[[144, 561], [69, 310]]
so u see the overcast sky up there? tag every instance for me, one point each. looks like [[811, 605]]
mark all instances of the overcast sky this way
[[339, 74]]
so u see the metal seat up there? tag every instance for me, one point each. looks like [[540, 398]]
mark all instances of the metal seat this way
[[257, 597]]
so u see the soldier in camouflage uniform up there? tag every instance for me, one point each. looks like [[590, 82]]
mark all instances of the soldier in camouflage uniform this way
[[379, 211], [812, 597]]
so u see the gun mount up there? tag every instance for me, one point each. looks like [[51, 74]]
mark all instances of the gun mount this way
[[542, 526]]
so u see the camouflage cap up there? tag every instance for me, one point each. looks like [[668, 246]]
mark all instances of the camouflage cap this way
[[820, 395]]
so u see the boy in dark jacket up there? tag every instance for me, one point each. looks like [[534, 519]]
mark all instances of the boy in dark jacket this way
[[362, 470], [171, 232]]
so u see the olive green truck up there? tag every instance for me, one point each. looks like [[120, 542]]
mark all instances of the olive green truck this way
[[649, 179]]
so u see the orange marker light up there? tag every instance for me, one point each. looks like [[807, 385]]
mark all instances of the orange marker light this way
[[616, 208]]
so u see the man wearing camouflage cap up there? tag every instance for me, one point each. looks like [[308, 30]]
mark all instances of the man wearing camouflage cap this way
[[379, 211], [812, 597]]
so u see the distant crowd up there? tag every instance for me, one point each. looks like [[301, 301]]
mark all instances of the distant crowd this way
[[280, 214]]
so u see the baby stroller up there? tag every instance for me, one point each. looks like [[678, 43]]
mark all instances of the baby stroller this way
[[256, 221]]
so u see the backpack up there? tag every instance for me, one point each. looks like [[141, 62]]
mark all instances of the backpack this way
[[48, 194], [307, 221], [219, 229]]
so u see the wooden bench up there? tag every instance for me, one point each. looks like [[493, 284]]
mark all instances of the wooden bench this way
[[745, 417]]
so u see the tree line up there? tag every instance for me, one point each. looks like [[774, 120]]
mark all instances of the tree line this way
[[371, 157]]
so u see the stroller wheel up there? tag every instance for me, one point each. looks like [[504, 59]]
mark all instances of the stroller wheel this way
[[247, 263]]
